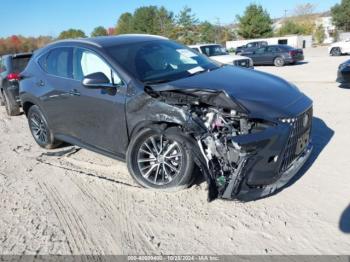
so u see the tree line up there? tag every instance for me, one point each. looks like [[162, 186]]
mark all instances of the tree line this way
[[186, 28]]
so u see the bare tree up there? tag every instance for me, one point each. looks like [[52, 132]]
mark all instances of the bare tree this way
[[306, 9]]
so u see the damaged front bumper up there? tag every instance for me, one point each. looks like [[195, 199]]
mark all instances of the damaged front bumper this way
[[247, 193]]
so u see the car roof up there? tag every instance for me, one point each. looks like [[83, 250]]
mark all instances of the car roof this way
[[106, 41], [17, 55], [199, 45]]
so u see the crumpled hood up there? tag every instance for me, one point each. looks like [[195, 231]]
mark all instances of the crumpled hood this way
[[228, 59], [260, 93]]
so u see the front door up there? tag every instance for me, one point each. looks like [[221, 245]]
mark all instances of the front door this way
[[99, 112]]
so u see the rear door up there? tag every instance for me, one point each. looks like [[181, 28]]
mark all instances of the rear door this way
[[258, 55], [271, 53], [54, 88]]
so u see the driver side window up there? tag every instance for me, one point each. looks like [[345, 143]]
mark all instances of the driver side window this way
[[261, 50], [86, 63]]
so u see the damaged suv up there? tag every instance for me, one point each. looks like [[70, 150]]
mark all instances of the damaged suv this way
[[168, 111]]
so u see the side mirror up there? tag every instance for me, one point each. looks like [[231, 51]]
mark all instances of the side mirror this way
[[96, 80]]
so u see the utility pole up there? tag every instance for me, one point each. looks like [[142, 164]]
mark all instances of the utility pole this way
[[285, 13]]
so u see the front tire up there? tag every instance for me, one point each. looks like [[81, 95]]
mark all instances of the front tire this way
[[40, 130], [161, 159], [336, 51], [12, 107], [279, 62]]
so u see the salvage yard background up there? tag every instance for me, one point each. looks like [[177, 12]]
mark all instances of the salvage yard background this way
[[72, 201]]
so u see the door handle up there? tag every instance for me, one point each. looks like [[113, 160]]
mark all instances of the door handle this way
[[74, 92], [40, 83]]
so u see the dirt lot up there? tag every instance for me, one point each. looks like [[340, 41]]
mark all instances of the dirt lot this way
[[75, 201]]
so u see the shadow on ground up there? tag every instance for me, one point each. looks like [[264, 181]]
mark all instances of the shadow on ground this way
[[286, 65], [344, 86], [321, 136], [344, 223]]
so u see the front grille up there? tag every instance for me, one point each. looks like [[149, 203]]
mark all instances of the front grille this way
[[242, 63], [299, 128]]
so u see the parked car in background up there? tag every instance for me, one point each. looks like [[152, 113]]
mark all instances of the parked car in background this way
[[250, 47], [167, 109], [339, 48], [219, 54], [344, 74], [10, 68], [278, 55]]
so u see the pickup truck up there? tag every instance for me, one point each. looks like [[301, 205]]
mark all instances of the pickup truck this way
[[219, 54]]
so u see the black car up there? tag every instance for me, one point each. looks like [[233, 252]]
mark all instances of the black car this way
[[250, 47], [169, 111], [344, 73], [10, 67], [278, 55]]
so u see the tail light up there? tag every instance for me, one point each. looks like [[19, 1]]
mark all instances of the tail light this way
[[13, 76], [295, 52]]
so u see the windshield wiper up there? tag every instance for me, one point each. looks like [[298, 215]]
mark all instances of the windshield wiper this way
[[158, 81]]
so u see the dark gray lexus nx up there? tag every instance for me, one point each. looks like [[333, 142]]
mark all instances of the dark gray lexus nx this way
[[169, 111]]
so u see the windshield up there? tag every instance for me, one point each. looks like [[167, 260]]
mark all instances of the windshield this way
[[214, 50], [160, 60]]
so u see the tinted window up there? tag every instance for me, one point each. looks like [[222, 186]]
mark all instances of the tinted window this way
[[2, 66], [159, 60], [273, 49], [261, 50], [286, 47], [43, 62], [213, 50], [59, 62], [195, 49], [19, 63], [86, 62]]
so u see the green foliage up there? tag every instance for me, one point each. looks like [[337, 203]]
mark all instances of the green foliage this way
[[291, 27], [341, 15], [319, 34], [255, 23], [146, 20], [124, 25], [72, 33], [99, 31], [186, 23], [165, 20], [207, 32]]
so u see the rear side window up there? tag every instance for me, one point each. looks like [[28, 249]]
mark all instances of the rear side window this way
[[19, 63], [2, 65], [273, 49], [58, 62]]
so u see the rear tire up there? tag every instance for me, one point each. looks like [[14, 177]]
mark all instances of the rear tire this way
[[40, 130], [336, 51], [12, 107], [161, 159], [279, 62]]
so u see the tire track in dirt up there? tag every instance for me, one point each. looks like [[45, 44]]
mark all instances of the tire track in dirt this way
[[77, 235]]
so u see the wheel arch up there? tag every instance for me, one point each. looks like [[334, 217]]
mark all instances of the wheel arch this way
[[151, 124], [336, 47], [26, 106]]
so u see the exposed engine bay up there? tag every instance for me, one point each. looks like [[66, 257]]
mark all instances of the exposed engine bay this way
[[235, 152]]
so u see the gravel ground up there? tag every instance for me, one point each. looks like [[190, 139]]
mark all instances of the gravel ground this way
[[72, 201]]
